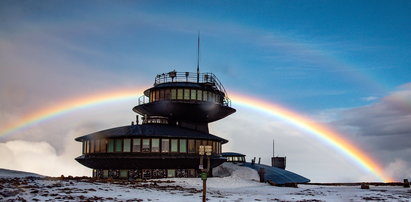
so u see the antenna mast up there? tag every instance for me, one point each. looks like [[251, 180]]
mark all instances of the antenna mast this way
[[273, 148], [198, 58]]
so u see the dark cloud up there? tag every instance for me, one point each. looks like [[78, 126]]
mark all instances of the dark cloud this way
[[391, 116]]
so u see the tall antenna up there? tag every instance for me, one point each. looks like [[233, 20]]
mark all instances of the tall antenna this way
[[198, 58], [273, 148]]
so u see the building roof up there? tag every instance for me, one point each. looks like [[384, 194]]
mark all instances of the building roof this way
[[277, 175], [151, 130]]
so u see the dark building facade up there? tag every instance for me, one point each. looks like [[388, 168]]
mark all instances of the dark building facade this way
[[176, 112]]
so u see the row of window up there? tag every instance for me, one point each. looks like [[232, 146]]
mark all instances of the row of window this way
[[148, 145], [235, 159], [144, 173], [184, 94]]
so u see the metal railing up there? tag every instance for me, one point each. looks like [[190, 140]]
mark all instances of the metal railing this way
[[193, 77]]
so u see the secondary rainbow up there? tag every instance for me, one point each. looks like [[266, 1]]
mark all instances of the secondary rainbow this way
[[296, 120]]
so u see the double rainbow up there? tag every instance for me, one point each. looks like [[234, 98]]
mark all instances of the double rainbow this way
[[281, 113]]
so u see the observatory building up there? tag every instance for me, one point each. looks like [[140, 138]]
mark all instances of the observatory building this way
[[176, 112]]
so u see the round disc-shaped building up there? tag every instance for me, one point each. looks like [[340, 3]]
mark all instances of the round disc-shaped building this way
[[176, 112]]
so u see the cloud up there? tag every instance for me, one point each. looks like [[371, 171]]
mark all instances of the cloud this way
[[42, 158], [369, 98], [391, 116]]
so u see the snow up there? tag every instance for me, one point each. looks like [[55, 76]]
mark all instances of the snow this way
[[5, 173], [239, 184]]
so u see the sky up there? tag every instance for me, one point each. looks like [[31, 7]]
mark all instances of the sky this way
[[341, 64]]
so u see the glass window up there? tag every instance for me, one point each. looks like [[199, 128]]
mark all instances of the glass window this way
[[84, 147], [105, 173], [151, 96], [198, 143], [171, 173], [97, 146], [205, 96], [180, 94], [174, 145], [173, 94], [191, 146], [146, 145], [167, 94], [157, 95], [229, 158], [214, 147], [183, 145], [103, 145], [199, 95], [211, 97], [110, 145], [217, 98], [165, 145], [186, 94], [136, 145], [91, 146], [127, 145], [218, 148], [193, 94], [123, 173], [118, 143], [155, 145], [161, 94]]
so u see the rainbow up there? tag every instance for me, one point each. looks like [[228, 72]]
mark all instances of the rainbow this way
[[281, 113]]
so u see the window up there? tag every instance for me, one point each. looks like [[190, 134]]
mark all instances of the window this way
[[191, 146], [218, 147], [126, 145], [118, 143], [110, 145], [123, 173], [136, 145], [173, 94], [97, 146], [215, 147], [155, 145], [199, 95], [229, 158], [157, 94], [174, 145], [165, 145], [91, 146], [198, 143], [84, 147], [103, 145], [146, 145], [171, 173], [180, 94], [151, 96], [183, 145], [211, 97], [193, 94], [167, 94], [186, 94], [105, 173], [205, 96], [161, 94], [217, 98]]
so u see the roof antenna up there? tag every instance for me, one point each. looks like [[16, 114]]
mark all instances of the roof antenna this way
[[273, 148], [198, 58]]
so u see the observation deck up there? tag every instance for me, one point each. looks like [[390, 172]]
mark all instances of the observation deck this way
[[187, 96]]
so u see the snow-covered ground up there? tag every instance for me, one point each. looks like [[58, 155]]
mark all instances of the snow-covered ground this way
[[240, 185]]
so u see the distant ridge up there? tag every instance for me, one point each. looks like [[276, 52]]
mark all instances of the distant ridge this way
[[6, 173]]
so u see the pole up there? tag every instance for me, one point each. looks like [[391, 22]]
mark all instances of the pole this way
[[198, 58], [204, 189]]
